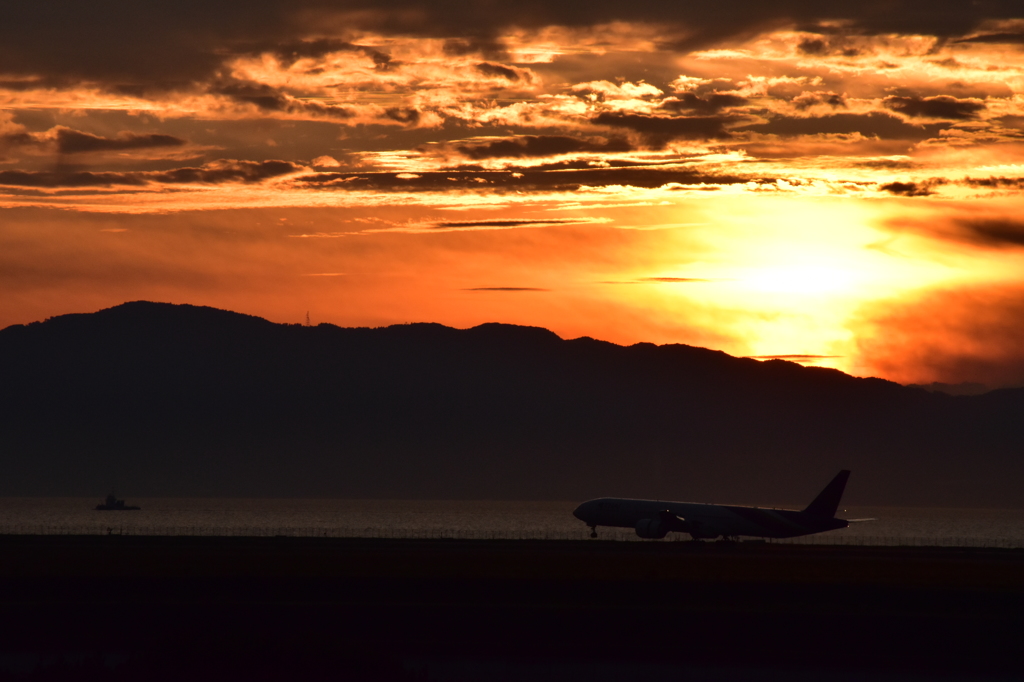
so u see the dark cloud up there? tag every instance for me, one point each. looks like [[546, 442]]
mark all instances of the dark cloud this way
[[942, 106], [74, 142], [568, 164], [19, 140], [813, 46], [522, 179], [403, 114], [291, 52], [263, 96], [1005, 38], [890, 164], [941, 18], [161, 44], [586, 163], [64, 140], [995, 182], [463, 224], [226, 171], [709, 104], [822, 47], [1011, 121], [655, 280], [878, 125], [809, 99], [497, 70], [215, 173], [489, 48], [175, 43], [992, 232], [531, 146], [667, 127], [272, 99], [21, 85], [907, 189], [506, 289], [69, 179]]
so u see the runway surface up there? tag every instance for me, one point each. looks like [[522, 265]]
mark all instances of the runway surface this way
[[265, 608]]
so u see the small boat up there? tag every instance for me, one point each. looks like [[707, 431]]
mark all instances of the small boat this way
[[114, 504]]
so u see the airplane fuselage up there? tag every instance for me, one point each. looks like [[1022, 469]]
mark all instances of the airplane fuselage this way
[[654, 518]]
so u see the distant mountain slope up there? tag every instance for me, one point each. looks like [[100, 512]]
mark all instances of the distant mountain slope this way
[[163, 399]]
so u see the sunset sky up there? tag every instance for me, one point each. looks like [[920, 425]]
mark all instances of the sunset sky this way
[[840, 183]]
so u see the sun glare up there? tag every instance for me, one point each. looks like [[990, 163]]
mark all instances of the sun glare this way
[[801, 280], [789, 275]]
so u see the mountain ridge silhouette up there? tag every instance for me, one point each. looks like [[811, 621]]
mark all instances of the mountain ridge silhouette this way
[[181, 400]]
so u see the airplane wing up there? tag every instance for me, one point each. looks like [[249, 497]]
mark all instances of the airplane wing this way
[[696, 528], [673, 522]]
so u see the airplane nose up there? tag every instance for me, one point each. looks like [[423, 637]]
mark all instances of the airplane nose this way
[[580, 512]]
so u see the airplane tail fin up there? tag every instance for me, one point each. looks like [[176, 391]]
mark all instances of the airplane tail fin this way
[[827, 502]]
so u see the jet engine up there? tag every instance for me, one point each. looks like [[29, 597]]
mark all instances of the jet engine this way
[[652, 529], [701, 531]]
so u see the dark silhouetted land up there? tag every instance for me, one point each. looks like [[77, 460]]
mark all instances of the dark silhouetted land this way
[[165, 400], [271, 608]]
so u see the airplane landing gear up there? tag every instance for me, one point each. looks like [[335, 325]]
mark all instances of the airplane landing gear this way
[[593, 531]]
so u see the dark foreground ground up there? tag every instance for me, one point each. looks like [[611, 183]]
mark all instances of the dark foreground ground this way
[[138, 608]]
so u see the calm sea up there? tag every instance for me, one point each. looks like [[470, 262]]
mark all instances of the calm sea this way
[[458, 519]]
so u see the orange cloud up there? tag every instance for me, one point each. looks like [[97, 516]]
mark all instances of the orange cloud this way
[[761, 171], [949, 335]]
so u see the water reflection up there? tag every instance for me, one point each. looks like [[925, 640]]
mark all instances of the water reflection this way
[[457, 519]]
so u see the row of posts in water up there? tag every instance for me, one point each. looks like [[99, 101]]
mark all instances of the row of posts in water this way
[[828, 539]]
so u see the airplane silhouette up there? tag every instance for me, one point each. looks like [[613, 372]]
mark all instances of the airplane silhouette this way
[[655, 519]]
